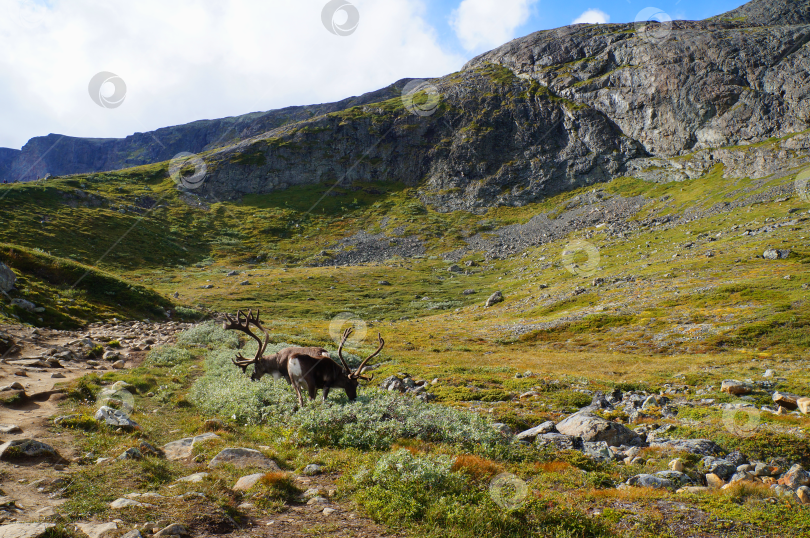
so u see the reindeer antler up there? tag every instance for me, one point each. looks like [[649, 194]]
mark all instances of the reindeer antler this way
[[242, 323], [358, 373], [346, 335]]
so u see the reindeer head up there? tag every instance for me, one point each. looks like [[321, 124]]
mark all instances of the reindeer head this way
[[350, 379], [242, 323]]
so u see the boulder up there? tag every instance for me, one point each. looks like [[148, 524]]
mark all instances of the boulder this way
[[720, 467], [786, 400], [677, 478], [494, 299], [532, 433], [312, 469], [10, 428], [559, 441], [25, 530], [592, 428], [115, 418], [737, 388], [7, 278], [243, 457], [598, 451], [175, 529], [795, 478], [804, 405], [182, 448], [677, 465], [703, 447], [25, 305], [803, 493], [247, 482], [715, 482], [776, 254], [650, 481], [97, 530], [26, 448]]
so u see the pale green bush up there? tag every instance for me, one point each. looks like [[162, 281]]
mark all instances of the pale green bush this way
[[209, 333], [168, 356]]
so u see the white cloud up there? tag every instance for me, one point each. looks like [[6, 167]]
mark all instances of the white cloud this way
[[184, 60], [482, 24], [592, 16]]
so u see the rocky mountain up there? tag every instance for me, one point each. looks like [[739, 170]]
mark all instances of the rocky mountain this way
[[551, 111], [56, 154]]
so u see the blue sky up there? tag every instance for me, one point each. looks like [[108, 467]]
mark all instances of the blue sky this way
[[185, 60]]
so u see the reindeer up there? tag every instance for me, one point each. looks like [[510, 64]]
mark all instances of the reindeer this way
[[327, 374], [276, 364]]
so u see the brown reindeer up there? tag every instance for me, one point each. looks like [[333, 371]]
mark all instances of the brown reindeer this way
[[276, 364], [327, 374]]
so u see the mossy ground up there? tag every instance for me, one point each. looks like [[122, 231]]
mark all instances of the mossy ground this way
[[693, 319]]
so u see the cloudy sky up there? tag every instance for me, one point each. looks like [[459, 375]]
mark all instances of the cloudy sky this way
[[183, 60]]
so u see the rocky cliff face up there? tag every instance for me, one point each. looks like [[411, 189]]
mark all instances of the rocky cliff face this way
[[564, 108], [61, 155], [547, 112]]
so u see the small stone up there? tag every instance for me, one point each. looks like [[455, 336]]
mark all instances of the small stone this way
[[247, 482], [26, 448], [130, 454], [494, 299], [804, 405], [714, 481], [128, 503], [677, 465], [318, 500], [175, 529], [115, 418], [133, 534], [57, 375], [803, 493], [312, 469], [119, 365], [94, 530], [10, 428], [194, 478], [737, 388], [788, 401], [243, 457], [329, 511], [24, 530]]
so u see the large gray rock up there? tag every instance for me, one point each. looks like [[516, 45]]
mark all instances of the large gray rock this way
[[24, 530], [559, 441], [7, 278], [26, 448], [703, 447], [115, 418], [494, 299], [650, 481], [592, 428], [182, 448], [243, 457], [530, 434], [776, 254]]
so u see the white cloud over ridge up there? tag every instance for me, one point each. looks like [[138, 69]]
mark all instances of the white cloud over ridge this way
[[484, 24], [184, 60], [592, 16]]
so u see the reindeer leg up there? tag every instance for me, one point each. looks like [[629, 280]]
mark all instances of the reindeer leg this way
[[325, 393], [313, 391]]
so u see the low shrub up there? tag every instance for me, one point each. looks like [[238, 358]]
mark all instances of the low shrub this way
[[168, 356], [209, 334]]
